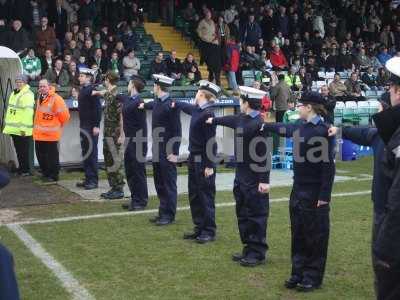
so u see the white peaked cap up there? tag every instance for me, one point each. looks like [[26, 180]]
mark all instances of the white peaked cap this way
[[163, 80], [87, 71], [251, 93], [209, 86]]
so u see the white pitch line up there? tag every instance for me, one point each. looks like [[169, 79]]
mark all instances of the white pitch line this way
[[68, 281], [153, 211]]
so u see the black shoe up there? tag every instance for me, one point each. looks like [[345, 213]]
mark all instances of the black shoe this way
[[113, 195], [190, 235], [306, 286], [251, 262], [164, 222], [203, 239], [104, 195], [133, 207], [49, 181], [154, 219], [237, 256], [292, 282], [91, 186], [81, 184]]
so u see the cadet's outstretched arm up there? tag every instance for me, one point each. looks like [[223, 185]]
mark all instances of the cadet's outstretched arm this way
[[227, 121], [187, 108], [361, 135], [285, 130]]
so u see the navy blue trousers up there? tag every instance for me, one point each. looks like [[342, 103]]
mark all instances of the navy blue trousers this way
[[165, 176], [310, 233], [4, 178], [201, 198], [252, 210], [8, 281], [90, 155], [135, 170]]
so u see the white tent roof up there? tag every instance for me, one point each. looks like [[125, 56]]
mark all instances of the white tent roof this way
[[10, 67]]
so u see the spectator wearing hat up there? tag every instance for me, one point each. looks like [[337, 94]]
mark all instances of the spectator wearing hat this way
[[311, 193], [251, 184], [18, 122], [135, 136], [31, 65], [201, 164], [166, 135]]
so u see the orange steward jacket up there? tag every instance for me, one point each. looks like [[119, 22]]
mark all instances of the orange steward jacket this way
[[50, 117]]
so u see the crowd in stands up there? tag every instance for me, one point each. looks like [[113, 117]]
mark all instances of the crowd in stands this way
[[300, 39], [296, 38], [57, 38]]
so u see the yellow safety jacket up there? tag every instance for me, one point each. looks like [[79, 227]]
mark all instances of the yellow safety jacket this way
[[19, 115]]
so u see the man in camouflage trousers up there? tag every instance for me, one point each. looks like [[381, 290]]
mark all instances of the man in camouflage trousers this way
[[113, 137]]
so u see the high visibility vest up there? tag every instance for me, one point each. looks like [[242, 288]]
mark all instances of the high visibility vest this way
[[50, 117], [19, 115]]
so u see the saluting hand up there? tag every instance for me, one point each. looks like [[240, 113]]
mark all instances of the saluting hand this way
[[263, 188], [321, 203], [141, 106], [173, 104], [333, 131], [172, 158], [208, 172], [96, 131], [209, 120]]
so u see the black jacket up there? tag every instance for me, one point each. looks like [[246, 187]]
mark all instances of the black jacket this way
[[387, 246]]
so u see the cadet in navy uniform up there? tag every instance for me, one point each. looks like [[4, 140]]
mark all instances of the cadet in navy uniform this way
[[89, 107], [251, 185], [314, 172], [386, 249], [135, 131], [8, 281], [201, 164], [166, 136]]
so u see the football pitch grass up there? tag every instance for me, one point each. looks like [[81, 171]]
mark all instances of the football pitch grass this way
[[126, 257]]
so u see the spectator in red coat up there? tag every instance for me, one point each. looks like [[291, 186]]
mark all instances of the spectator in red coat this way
[[232, 63], [278, 59], [266, 103]]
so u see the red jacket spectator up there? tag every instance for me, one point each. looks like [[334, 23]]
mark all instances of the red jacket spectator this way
[[233, 57], [266, 105], [278, 59]]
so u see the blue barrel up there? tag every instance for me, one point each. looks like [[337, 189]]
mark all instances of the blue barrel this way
[[349, 150]]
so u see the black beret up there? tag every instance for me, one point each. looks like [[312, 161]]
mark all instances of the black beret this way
[[312, 98]]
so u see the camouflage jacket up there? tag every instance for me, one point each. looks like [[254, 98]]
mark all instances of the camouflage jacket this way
[[112, 114]]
